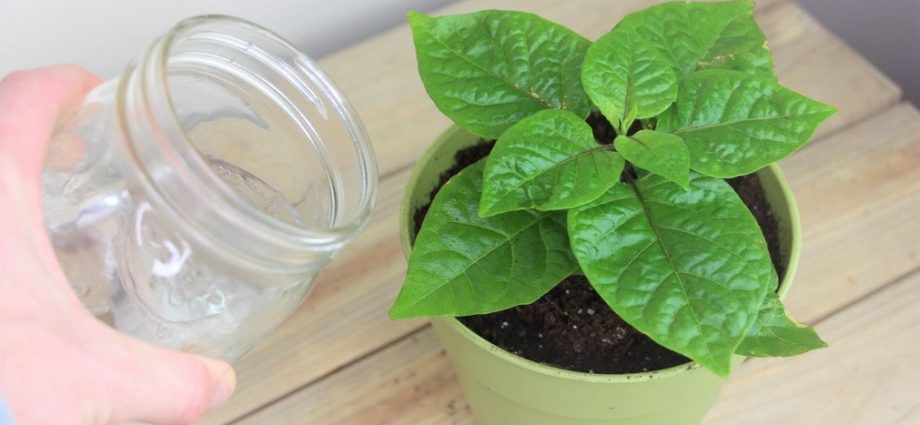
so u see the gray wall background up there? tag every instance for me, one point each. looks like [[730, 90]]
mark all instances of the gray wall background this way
[[104, 35], [887, 32]]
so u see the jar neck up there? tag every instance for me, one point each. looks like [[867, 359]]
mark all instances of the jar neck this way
[[214, 68]]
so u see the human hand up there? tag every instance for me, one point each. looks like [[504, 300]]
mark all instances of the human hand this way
[[59, 364]]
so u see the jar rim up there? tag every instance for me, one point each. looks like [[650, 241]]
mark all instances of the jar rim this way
[[344, 226]]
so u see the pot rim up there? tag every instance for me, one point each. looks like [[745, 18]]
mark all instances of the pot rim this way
[[404, 220]]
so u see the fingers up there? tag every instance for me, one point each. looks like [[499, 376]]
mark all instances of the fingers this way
[[160, 386], [132, 380], [30, 102]]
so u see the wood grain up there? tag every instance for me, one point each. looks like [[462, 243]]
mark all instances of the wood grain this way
[[384, 385], [345, 317], [868, 375], [859, 194], [409, 383], [855, 191], [808, 59], [865, 377]]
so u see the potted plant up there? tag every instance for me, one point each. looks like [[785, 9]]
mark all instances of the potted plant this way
[[601, 238]]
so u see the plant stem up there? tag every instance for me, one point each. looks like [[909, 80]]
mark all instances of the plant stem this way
[[624, 125]]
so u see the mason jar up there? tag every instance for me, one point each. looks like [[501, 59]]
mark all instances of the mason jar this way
[[192, 201]]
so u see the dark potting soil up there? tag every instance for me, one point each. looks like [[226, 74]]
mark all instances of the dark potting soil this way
[[751, 193], [571, 327], [603, 130], [462, 159]]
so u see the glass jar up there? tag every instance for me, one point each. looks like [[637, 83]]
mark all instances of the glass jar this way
[[192, 201]]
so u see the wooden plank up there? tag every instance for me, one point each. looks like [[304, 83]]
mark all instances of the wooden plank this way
[[855, 190], [345, 317], [807, 58], [865, 377], [387, 387], [859, 195], [869, 375], [409, 383]]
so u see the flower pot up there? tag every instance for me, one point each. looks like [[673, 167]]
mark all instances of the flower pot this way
[[505, 389]]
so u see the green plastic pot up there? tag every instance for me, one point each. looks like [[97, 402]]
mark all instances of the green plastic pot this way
[[505, 389]]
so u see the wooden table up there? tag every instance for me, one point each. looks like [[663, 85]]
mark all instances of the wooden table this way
[[340, 360]]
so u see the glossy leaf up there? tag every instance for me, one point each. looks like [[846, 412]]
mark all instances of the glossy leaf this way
[[547, 161], [735, 123], [463, 264], [660, 153], [627, 79], [488, 70], [695, 36], [583, 179], [776, 333], [688, 268]]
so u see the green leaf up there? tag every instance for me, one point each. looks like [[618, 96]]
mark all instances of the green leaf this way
[[463, 264], [735, 123], [488, 70], [688, 268], [547, 161], [776, 333], [627, 79], [583, 179], [695, 36], [660, 153]]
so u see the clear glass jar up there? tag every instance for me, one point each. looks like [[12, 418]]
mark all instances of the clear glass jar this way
[[192, 201]]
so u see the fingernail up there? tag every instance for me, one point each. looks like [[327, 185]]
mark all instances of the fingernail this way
[[226, 383]]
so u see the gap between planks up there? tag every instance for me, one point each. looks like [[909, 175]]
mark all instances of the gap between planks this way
[[742, 396], [910, 274], [866, 376], [410, 335]]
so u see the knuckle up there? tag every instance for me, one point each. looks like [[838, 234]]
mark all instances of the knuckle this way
[[16, 78], [198, 398]]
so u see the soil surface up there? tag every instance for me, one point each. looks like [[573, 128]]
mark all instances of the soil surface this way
[[571, 327]]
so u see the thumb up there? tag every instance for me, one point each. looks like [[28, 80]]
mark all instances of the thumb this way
[[166, 387]]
